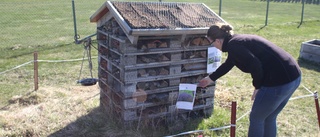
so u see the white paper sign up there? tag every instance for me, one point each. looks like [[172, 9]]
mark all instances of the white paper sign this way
[[186, 97], [214, 59]]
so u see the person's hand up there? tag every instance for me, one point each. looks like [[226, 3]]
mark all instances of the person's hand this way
[[254, 94], [204, 82]]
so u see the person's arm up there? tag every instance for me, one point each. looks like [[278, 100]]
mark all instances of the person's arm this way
[[223, 69]]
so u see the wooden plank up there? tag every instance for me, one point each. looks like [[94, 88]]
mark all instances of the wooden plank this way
[[310, 57], [310, 48], [99, 13]]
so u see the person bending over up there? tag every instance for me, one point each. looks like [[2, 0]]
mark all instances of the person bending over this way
[[275, 74]]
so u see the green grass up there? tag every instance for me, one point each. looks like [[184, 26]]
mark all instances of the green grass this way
[[47, 27]]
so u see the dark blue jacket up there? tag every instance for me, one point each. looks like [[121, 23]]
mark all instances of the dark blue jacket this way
[[268, 64]]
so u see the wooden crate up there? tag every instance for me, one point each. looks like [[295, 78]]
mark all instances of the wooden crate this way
[[132, 109]]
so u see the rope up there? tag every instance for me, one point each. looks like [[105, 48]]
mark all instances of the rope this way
[[247, 113], [59, 61], [84, 53], [294, 98], [46, 61], [307, 89], [90, 63], [197, 131], [89, 57], [17, 67], [87, 47]]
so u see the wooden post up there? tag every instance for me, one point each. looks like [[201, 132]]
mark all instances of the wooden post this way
[[267, 13], [233, 119], [35, 70], [317, 107], [220, 8], [302, 13]]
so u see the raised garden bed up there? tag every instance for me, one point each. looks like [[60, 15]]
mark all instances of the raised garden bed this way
[[310, 50]]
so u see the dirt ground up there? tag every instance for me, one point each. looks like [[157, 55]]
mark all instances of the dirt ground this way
[[43, 112]]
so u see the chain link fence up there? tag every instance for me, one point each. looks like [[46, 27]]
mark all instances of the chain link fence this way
[[297, 1]]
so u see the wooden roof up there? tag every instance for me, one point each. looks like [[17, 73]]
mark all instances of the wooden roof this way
[[164, 18]]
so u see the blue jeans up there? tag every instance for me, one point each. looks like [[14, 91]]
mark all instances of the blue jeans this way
[[268, 103]]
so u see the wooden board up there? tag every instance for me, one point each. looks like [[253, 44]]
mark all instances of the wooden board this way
[[310, 50]]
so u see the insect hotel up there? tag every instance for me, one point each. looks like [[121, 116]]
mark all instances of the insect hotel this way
[[146, 49]]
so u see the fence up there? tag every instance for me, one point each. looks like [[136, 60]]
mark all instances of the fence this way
[[231, 126], [34, 23]]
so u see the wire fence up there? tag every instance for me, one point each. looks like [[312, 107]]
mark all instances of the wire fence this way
[[297, 1], [50, 22]]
